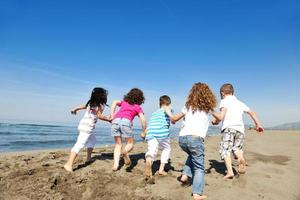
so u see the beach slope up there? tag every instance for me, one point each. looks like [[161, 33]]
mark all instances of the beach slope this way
[[273, 172]]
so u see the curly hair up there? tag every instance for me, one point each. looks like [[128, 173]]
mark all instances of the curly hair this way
[[98, 97], [201, 98], [135, 96]]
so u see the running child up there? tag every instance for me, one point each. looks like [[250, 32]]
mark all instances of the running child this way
[[121, 127], [158, 137], [86, 138], [200, 102], [233, 130]]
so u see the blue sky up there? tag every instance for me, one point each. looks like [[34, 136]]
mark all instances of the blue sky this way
[[52, 53]]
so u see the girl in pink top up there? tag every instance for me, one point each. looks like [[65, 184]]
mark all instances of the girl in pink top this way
[[121, 127]]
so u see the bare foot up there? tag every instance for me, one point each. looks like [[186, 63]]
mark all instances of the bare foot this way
[[148, 170], [68, 168], [242, 167], [163, 173], [127, 160], [150, 180], [148, 173], [114, 169], [199, 197], [184, 178], [228, 176]]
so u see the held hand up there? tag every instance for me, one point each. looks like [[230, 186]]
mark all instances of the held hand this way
[[259, 129], [73, 112], [110, 118], [215, 122], [173, 121], [143, 135]]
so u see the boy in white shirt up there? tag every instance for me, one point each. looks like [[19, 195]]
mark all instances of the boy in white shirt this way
[[233, 130]]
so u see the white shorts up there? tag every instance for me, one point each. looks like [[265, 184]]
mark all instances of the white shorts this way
[[164, 145], [84, 140]]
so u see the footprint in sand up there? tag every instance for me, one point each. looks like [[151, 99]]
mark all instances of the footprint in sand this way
[[240, 181]]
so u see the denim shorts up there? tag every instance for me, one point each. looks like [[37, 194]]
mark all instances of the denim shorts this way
[[121, 127]]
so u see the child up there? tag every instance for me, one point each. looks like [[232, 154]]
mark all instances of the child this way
[[231, 113], [130, 107], [200, 102], [158, 136], [86, 137]]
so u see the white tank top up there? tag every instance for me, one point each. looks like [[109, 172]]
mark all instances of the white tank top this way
[[88, 122]]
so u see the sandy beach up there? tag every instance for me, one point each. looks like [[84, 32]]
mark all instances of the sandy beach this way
[[273, 172]]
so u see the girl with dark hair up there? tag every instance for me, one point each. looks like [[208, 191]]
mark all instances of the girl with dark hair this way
[[86, 138], [130, 107]]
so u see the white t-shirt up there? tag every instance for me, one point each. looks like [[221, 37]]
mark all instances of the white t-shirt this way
[[234, 114], [194, 123]]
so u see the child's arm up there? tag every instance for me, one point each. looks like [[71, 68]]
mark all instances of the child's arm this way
[[101, 116], [167, 110], [144, 124], [113, 108], [177, 117], [254, 117], [219, 116], [74, 110]]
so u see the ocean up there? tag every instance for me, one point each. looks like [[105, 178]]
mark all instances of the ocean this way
[[36, 136]]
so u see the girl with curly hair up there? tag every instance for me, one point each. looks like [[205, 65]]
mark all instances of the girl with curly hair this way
[[200, 102], [121, 127]]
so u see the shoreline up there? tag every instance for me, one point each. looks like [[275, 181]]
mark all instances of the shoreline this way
[[26, 151]]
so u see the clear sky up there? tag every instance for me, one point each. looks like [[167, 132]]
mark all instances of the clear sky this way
[[52, 53]]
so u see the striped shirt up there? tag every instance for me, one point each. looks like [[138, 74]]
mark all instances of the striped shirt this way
[[88, 122], [158, 126]]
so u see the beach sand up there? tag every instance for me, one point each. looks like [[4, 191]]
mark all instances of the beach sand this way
[[273, 172]]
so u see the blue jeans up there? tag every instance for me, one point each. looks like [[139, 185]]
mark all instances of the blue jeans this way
[[194, 165]]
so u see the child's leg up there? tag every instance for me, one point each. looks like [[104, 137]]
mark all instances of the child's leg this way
[[69, 165], [90, 146], [238, 151], [89, 152], [228, 164], [150, 156], [187, 169], [196, 148], [80, 143], [127, 149], [225, 151], [165, 155], [117, 152]]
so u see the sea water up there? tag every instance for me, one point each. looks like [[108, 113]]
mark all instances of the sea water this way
[[35, 136]]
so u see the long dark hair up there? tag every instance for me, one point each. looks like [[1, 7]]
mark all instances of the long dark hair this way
[[135, 96], [98, 97]]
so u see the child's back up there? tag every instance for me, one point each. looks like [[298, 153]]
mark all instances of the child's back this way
[[128, 111], [158, 126], [88, 122], [234, 113]]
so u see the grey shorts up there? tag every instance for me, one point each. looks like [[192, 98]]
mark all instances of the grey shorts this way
[[121, 127], [231, 141]]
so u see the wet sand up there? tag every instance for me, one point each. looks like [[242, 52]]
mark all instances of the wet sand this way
[[273, 172]]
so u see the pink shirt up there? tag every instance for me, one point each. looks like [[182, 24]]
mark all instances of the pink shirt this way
[[128, 111]]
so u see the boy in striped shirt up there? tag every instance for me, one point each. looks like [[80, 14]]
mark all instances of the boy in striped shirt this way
[[158, 137]]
